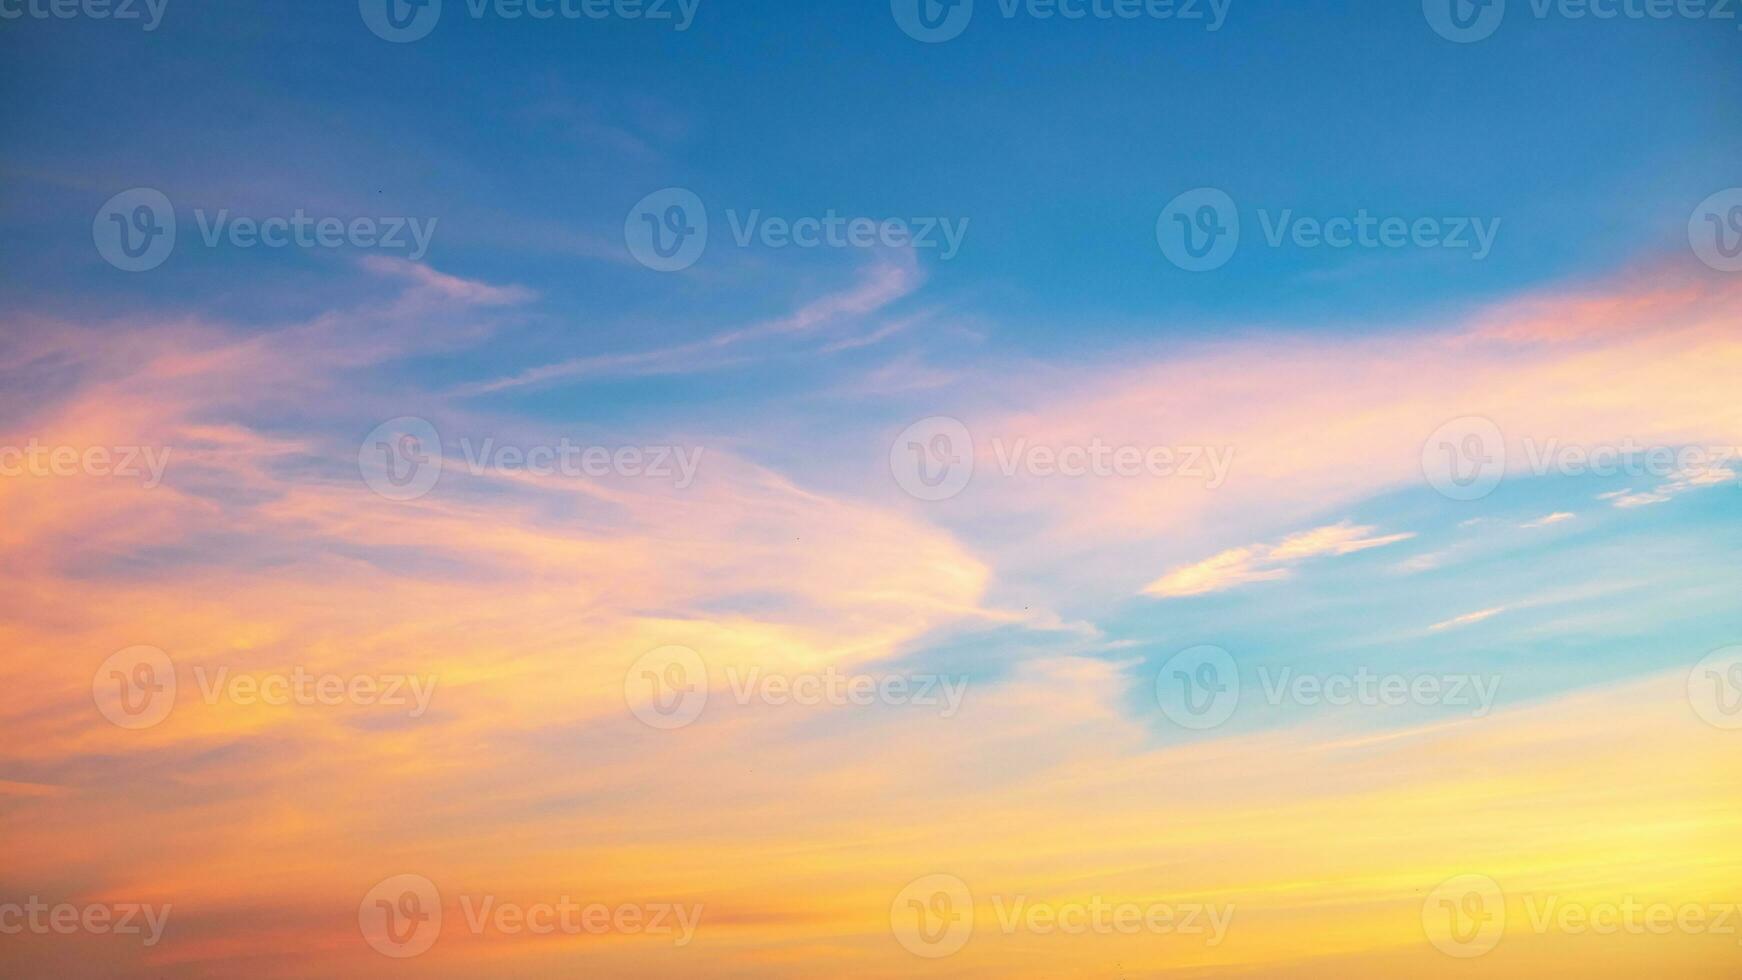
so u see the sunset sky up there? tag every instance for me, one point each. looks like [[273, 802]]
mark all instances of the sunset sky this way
[[787, 478]]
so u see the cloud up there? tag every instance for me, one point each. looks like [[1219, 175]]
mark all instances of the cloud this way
[[1262, 563], [880, 284], [1686, 479], [1544, 521], [1467, 619]]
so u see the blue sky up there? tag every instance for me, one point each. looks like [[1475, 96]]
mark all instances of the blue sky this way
[[1394, 439]]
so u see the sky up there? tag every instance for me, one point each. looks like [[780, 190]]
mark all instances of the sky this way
[[1002, 488]]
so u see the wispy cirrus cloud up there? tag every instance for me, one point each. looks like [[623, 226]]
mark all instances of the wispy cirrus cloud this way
[[1467, 619], [880, 284], [1263, 563]]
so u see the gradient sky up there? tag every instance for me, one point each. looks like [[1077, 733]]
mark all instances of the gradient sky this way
[[1600, 771]]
